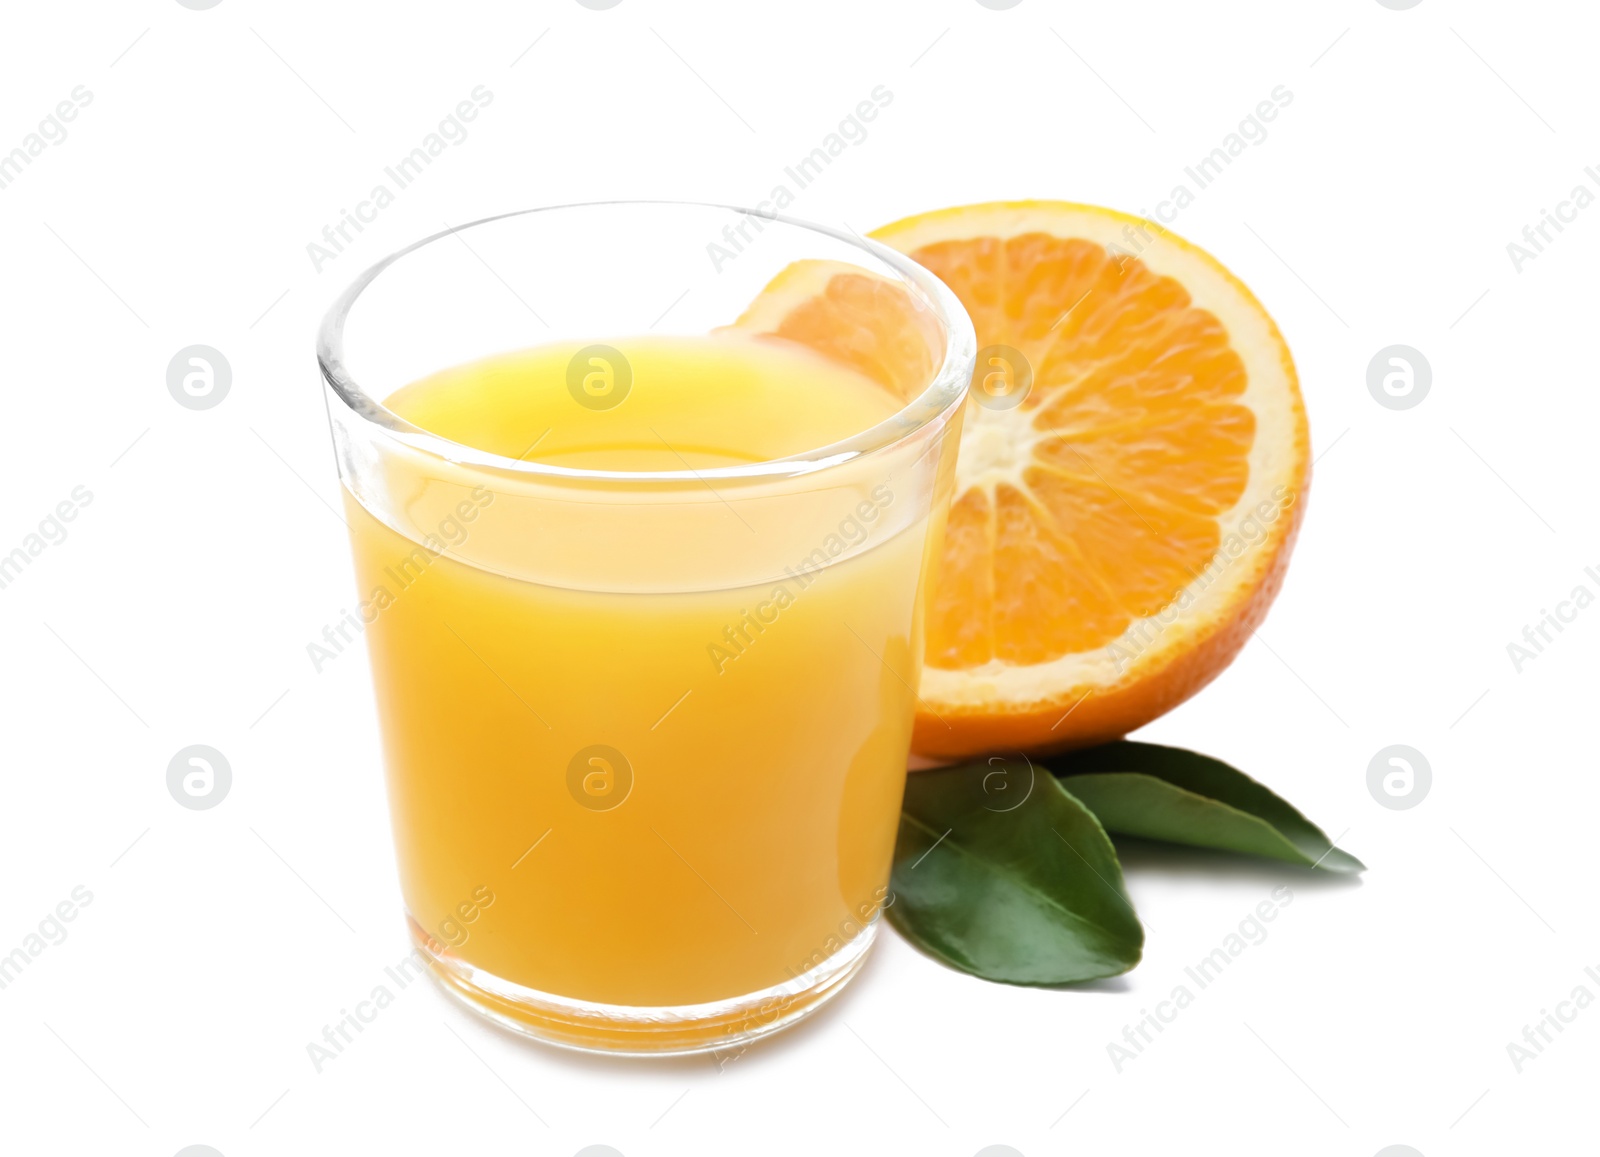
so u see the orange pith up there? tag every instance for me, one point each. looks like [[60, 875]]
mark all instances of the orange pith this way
[[1115, 536]]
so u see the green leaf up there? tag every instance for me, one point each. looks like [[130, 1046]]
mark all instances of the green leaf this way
[[1000, 872], [1167, 793]]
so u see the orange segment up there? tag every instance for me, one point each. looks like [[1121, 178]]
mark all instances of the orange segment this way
[[961, 612], [1117, 535], [1041, 578], [865, 321]]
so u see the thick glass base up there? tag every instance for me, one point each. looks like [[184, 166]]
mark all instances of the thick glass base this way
[[640, 1031]]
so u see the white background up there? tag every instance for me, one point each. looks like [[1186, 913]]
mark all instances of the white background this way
[[218, 943]]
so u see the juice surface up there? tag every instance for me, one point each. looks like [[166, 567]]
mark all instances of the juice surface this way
[[692, 403], [647, 797]]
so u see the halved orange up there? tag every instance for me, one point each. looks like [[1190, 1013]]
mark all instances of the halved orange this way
[[1118, 533]]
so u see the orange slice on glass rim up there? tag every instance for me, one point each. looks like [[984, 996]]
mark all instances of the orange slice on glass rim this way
[[1132, 471]]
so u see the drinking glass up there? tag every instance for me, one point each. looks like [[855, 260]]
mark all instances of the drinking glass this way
[[645, 731]]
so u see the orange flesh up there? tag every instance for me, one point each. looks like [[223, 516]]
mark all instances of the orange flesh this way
[[1140, 446], [870, 325]]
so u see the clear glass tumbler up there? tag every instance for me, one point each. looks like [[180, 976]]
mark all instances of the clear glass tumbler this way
[[645, 730]]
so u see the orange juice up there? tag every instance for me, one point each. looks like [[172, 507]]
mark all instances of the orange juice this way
[[669, 794]]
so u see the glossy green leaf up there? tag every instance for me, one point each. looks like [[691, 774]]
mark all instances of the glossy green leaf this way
[[1167, 793], [1000, 872]]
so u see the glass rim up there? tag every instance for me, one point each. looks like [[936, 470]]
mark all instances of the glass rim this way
[[944, 390]]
